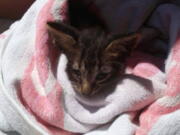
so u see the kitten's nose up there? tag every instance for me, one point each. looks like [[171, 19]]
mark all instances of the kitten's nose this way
[[85, 89]]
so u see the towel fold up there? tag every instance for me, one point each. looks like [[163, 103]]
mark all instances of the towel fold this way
[[37, 98]]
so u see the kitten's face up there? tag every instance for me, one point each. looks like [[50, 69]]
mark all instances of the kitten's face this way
[[89, 77], [89, 69], [95, 59]]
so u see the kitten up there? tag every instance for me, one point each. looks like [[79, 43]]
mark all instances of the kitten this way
[[95, 57]]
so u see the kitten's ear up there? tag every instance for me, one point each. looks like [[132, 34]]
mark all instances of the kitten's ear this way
[[63, 36], [123, 46]]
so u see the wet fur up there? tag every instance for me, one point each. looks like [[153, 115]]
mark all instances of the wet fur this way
[[96, 58]]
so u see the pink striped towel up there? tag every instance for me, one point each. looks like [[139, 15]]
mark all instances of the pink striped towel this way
[[36, 97]]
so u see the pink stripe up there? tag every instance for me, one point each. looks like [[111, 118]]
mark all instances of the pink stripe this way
[[173, 78], [145, 70], [42, 50], [47, 110], [151, 115], [56, 131]]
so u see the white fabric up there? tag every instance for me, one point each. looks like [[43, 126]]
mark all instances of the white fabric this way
[[130, 95]]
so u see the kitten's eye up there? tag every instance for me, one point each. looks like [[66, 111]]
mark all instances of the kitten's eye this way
[[101, 76], [106, 69], [104, 73]]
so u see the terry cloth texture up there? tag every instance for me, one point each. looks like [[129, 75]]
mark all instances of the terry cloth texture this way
[[37, 98]]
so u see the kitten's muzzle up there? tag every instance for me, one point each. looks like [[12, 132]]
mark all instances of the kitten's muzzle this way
[[85, 89]]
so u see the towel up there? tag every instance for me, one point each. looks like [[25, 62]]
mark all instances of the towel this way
[[37, 98]]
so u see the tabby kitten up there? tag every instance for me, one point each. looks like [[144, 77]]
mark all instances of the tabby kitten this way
[[95, 57]]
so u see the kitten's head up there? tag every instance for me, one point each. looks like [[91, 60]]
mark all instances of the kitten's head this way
[[95, 58]]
